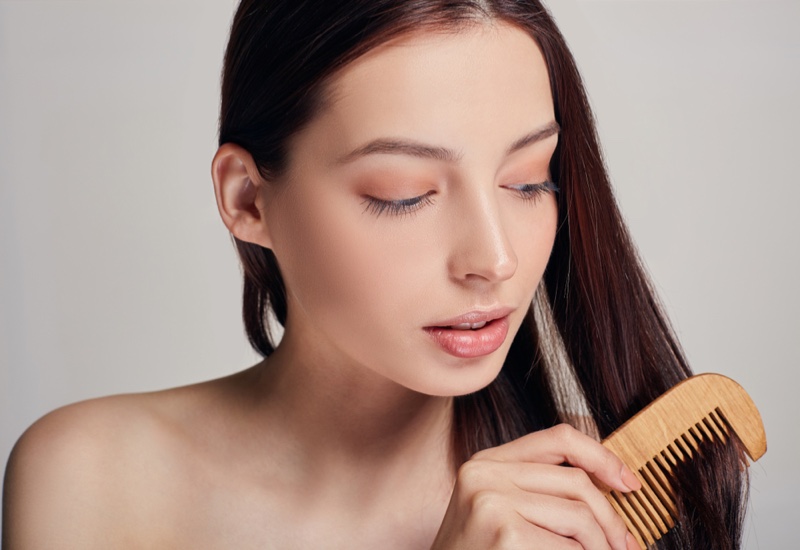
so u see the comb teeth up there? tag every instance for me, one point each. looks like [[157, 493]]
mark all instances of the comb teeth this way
[[700, 410], [650, 512]]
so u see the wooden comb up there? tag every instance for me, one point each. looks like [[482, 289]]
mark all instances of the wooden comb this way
[[668, 431]]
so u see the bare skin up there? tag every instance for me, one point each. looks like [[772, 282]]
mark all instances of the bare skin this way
[[196, 468], [340, 439]]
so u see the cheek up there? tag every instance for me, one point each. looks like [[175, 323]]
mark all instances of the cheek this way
[[338, 270], [356, 274], [536, 239], [531, 230]]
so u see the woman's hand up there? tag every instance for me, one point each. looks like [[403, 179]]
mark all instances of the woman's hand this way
[[521, 495]]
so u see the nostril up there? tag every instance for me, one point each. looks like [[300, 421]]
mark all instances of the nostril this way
[[481, 248]]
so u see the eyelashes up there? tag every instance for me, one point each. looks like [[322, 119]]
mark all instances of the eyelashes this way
[[532, 191], [397, 207], [529, 192]]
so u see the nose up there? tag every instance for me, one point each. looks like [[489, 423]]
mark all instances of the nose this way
[[481, 250]]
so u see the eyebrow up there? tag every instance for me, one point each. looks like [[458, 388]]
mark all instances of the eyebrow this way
[[392, 146]]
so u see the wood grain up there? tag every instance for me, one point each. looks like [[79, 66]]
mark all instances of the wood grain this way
[[669, 431]]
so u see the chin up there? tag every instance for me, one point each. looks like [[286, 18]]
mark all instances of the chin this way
[[463, 379]]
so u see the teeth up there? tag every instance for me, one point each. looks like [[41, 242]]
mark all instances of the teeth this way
[[469, 326]]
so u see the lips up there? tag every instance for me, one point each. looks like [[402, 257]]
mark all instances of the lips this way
[[474, 317], [472, 334], [468, 326]]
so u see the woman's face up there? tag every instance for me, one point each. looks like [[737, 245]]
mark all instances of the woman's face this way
[[408, 208]]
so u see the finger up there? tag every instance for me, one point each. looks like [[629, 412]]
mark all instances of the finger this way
[[522, 534], [560, 481], [547, 539], [573, 484], [563, 443], [572, 519], [488, 478]]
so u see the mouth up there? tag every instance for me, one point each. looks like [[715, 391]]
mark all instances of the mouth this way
[[473, 334], [467, 326]]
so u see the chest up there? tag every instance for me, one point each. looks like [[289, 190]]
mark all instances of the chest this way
[[208, 516]]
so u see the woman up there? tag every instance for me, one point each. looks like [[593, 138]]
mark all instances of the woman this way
[[403, 180]]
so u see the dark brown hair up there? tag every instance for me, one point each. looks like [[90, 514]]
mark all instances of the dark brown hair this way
[[596, 338]]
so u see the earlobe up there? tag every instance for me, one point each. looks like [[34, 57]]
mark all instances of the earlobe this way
[[237, 186]]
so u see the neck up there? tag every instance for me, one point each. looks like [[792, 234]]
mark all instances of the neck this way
[[351, 419], [345, 445]]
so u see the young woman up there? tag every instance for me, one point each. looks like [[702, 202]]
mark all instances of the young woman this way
[[417, 195]]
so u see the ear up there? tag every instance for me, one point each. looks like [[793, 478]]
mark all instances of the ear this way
[[239, 190]]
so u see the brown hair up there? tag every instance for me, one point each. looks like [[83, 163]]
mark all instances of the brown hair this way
[[596, 337]]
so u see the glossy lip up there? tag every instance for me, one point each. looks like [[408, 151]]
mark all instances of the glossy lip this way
[[472, 343], [475, 316]]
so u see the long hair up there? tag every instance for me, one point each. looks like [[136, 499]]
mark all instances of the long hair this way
[[595, 340]]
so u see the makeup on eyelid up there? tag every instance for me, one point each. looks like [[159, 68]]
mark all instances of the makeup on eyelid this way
[[529, 192], [387, 251]]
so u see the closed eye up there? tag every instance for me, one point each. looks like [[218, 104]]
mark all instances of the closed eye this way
[[397, 207], [533, 191], [527, 191]]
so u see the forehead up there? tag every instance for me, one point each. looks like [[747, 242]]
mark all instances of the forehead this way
[[482, 86]]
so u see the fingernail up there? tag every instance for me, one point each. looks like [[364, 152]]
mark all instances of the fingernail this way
[[629, 479], [631, 542]]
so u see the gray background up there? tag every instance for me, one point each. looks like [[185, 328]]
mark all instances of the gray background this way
[[116, 274]]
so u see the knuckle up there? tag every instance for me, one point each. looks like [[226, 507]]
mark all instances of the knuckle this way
[[471, 475], [564, 433], [509, 535], [481, 455], [582, 513], [488, 508], [609, 459], [580, 480], [479, 474]]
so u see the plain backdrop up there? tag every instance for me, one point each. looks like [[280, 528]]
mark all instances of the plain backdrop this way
[[116, 274]]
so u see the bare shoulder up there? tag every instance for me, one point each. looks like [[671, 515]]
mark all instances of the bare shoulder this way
[[93, 473]]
